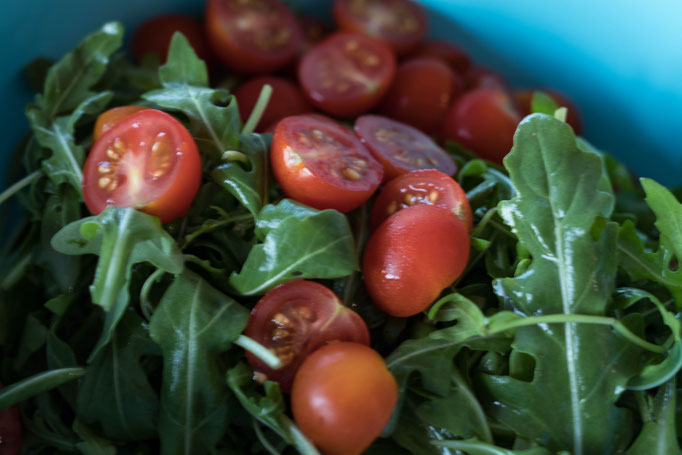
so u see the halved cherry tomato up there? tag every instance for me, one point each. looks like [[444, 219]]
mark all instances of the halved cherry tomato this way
[[10, 431], [343, 397], [287, 99], [480, 77], [484, 121], [322, 164], [448, 53], [401, 148], [347, 73], [424, 186], [401, 23], [154, 36], [254, 36], [524, 98], [108, 119], [413, 255], [421, 93], [296, 318], [147, 161]]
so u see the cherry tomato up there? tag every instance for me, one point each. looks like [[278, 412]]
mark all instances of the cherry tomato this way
[[347, 74], [343, 397], [295, 319], [108, 119], [314, 31], [147, 161], [322, 164], [401, 148], [401, 23], [10, 431], [524, 98], [483, 120], [421, 93], [424, 186], [448, 53], [413, 255], [253, 36], [480, 77], [154, 36], [287, 99]]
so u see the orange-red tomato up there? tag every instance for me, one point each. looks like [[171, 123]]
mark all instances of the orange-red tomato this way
[[154, 36], [147, 161], [343, 396], [524, 98], [10, 431], [108, 119], [413, 255]]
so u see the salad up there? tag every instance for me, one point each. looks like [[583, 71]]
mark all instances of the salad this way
[[261, 235]]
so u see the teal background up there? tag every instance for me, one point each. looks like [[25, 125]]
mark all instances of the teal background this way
[[620, 60]]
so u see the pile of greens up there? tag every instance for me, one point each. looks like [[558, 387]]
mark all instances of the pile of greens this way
[[119, 335]]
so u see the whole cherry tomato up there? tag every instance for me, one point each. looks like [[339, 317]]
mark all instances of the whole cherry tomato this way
[[448, 53], [108, 119], [154, 36], [481, 77]]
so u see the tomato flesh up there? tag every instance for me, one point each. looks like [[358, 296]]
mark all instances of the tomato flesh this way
[[154, 36], [322, 164], [427, 186], [448, 53], [347, 73], [108, 119], [10, 430], [343, 396], [401, 23], [296, 318], [148, 161], [413, 255], [253, 36], [401, 148]]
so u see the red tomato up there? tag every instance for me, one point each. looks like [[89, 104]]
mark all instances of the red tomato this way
[[314, 31], [295, 319], [446, 52], [253, 36], [347, 74], [147, 161], [421, 93], [424, 186], [479, 77], [484, 121], [154, 36], [524, 98], [413, 255], [108, 119], [401, 148], [287, 99], [401, 23], [10, 431], [322, 164], [343, 397]]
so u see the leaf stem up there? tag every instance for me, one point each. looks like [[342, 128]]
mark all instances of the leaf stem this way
[[17, 273], [145, 304], [18, 186], [259, 351], [302, 444], [479, 414], [36, 384], [261, 437], [258, 109]]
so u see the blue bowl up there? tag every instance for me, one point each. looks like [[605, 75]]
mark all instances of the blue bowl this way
[[620, 61]]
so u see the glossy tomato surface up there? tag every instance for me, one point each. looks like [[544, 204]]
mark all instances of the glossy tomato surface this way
[[322, 164], [401, 23], [413, 255], [421, 93], [401, 148], [147, 161], [484, 121], [10, 431], [427, 186], [108, 119], [481, 77], [296, 318], [154, 36], [253, 37], [343, 397], [524, 98], [456, 58], [347, 73]]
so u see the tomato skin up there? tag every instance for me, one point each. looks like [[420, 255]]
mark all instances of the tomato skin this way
[[111, 117], [332, 172], [312, 316], [480, 77], [401, 148], [269, 41], [483, 120], [10, 430], [343, 396], [448, 53], [524, 98], [410, 100], [423, 186], [162, 184], [413, 255], [154, 37], [401, 23], [347, 74]]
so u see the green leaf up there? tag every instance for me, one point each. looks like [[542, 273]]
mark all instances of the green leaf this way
[[476, 447], [92, 443], [116, 393], [570, 403], [60, 356], [183, 66], [297, 244], [36, 384], [33, 337], [542, 103], [194, 324]]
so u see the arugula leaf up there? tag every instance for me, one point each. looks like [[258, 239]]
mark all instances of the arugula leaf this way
[[33, 337], [36, 384], [476, 447], [92, 443], [298, 242], [193, 325], [542, 103]]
